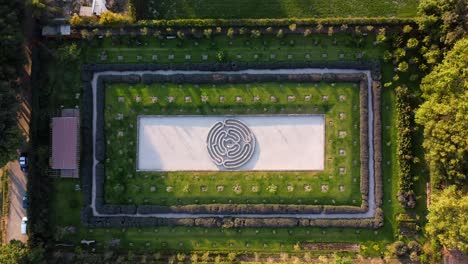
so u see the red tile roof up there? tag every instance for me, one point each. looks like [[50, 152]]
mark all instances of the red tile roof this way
[[64, 143]]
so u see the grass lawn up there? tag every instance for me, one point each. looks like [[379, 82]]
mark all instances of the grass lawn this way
[[173, 9], [62, 84], [125, 185], [65, 213], [316, 48]]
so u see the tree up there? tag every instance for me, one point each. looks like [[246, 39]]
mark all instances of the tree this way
[[444, 20], [10, 136], [41, 9], [448, 218], [18, 253], [403, 66], [444, 117], [412, 43], [381, 37]]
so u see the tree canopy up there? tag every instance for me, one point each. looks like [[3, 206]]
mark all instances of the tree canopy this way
[[18, 253], [444, 19], [444, 115], [448, 219], [10, 60]]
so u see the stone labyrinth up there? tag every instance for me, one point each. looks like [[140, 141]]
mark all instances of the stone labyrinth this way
[[230, 144]]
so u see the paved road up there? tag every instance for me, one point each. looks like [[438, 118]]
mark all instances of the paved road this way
[[17, 190]]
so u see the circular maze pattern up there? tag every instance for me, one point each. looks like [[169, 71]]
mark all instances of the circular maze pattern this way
[[230, 144]]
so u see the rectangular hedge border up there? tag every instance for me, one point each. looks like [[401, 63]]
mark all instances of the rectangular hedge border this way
[[86, 173], [232, 208]]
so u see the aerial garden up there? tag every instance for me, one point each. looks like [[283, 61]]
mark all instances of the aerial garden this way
[[361, 76]]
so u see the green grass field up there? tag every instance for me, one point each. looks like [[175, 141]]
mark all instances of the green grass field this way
[[124, 185], [174, 9], [339, 47]]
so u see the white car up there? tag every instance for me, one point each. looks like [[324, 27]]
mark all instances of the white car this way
[[24, 225]]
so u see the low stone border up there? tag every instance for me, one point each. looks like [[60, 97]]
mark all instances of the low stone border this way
[[131, 215]]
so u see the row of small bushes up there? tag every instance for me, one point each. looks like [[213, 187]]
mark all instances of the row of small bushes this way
[[227, 222], [404, 150], [117, 20], [87, 75]]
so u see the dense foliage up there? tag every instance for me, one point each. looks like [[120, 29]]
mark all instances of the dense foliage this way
[[18, 253], [10, 59], [444, 117], [445, 20], [404, 152], [448, 219]]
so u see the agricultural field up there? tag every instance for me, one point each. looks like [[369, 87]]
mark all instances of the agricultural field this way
[[152, 9]]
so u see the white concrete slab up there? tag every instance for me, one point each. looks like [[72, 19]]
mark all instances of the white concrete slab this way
[[178, 143]]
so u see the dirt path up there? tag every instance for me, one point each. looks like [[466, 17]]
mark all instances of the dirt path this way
[[17, 212]]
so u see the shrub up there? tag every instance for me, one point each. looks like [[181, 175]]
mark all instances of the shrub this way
[[407, 28], [255, 33], [412, 43], [280, 33], [76, 20], [207, 33], [398, 248], [292, 27], [180, 35], [113, 19], [230, 32], [403, 66]]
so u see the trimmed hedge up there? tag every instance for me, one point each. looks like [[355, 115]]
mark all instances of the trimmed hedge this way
[[87, 214], [364, 138], [377, 94], [404, 151], [285, 22]]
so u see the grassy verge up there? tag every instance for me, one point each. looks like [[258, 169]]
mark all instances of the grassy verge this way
[[273, 8], [124, 185], [5, 191], [292, 48]]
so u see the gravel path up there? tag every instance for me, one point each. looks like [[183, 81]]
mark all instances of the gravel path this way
[[17, 212], [369, 214]]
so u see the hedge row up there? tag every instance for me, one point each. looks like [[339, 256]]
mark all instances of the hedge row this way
[[227, 222], [377, 104], [404, 151], [90, 69], [356, 21], [87, 163], [364, 139]]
